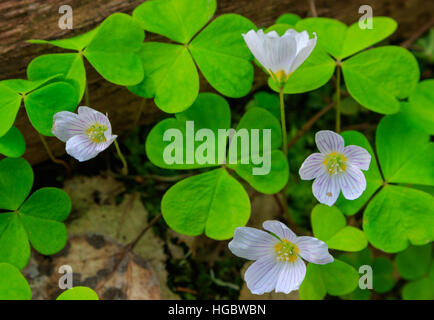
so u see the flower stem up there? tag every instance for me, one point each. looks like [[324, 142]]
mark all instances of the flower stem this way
[[121, 156], [283, 121], [51, 155], [338, 99]]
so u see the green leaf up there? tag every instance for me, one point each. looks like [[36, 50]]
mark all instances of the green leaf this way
[[77, 43], [69, 65], [209, 111], [16, 180], [422, 103], [24, 87], [336, 279], [397, 216], [44, 103], [42, 215], [341, 41], [14, 245], [78, 293], [182, 18], [357, 39], [330, 226], [373, 176], [414, 262], [288, 18], [170, 76], [10, 102], [415, 162], [213, 203], [377, 78], [268, 101], [382, 274], [315, 72], [13, 285], [422, 289], [223, 57], [113, 50], [12, 144]]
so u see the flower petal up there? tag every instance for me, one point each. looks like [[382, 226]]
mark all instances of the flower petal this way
[[81, 148], [326, 188], [352, 182], [357, 156], [304, 50], [314, 250], [66, 125], [279, 229], [329, 141], [281, 53], [262, 275], [253, 244], [291, 276], [312, 167], [91, 117], [255, 43]]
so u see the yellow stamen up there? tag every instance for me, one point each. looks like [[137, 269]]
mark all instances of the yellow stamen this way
[[286, 251], [335, 163], [96, 133]]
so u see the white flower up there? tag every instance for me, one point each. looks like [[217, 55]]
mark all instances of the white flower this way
[[86, 134], [280, 56], [279, 263], [336, 168]]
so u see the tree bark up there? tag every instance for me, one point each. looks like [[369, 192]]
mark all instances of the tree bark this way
[[21, 20]]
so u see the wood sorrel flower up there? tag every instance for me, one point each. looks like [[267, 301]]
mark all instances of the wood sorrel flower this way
[[86, 134], [278, 256], [336, 168], [280, 56]]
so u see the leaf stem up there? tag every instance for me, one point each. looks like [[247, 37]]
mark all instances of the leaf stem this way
[[283, 121], [139, 113], [121, 156], [51, 155], [86, 95], [338, 99]]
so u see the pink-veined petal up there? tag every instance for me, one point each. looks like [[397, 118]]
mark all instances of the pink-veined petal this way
[[66, 125], [352, 182], [357, 156], [291, 276], [279, 229], [312, 167], [304, 50], [262, 275], [328, 141], [253, 244], [255, 43], [81, 148], [281, 53], [325, 188], [313, 250]]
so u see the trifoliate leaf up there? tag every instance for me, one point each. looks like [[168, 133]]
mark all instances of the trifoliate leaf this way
[[397, 216], [213, 203], [13, 285], [77, 43], [268, 101], [12, 144], [288, 18], [210, 112], [10, 102], [171, 77], [377, 78], [422, 289], [382, 275], [69, 65], [223, 57], [182, 18], [330, 226]]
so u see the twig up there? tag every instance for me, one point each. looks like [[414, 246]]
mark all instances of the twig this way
[[186, 290], [417, 34], [310, 123], [313, 8], [133, 243], [52, 157]]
